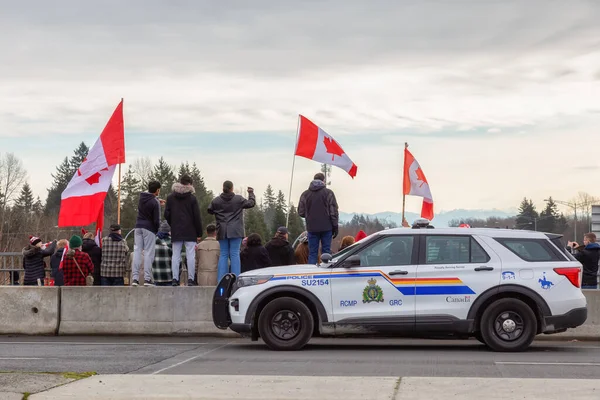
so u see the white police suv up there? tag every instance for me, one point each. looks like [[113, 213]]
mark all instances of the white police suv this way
[[502, 287]]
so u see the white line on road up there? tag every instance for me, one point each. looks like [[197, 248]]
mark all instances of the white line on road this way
[[568, 364], [189, 359], [20, 358], [111, 344]]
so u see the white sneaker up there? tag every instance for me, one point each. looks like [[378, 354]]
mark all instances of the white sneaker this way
[[135, 283], [148, 283]]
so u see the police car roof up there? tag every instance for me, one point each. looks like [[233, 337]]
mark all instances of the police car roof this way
[[491, 232]]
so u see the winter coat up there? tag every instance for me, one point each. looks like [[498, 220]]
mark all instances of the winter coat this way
[[95, 252], [228, 210], [319, 207], [114, 256], [207, 260], [280, 252], [183, 214], [148, 217], [589, 256], [254, 257], [33, 263], [56, 273]]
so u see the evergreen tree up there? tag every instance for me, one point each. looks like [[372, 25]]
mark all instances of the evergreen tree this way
[[549, 217], [296, 224], [527, 215], [130, 189], [38, 207], [163, 173], [184, 169], [280, 215], [269, 203], [81, 153], [25, 202], [254, 219], [204, 196]]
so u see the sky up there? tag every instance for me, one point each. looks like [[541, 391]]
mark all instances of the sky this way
[[497, 99]]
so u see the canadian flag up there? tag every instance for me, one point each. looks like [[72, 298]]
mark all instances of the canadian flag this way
[[317, 145], [415, 184], [82, 202]]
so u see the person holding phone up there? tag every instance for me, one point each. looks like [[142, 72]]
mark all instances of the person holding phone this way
[[228, 209], [588, 255]]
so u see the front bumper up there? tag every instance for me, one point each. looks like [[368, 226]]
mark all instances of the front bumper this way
[[572, 319]]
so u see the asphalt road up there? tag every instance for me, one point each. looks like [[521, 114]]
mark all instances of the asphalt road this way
[[323, 357]]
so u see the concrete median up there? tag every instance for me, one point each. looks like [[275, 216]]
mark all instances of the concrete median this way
[[137, 311], [29, 310]]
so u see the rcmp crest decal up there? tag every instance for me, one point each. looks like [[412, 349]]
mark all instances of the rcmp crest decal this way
[[373, 292]]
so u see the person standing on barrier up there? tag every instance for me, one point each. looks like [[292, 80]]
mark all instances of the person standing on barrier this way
[[208, 252], [146, 228], [33, 261], [162, 267], [114, 258], [228, 210], [183, 215]]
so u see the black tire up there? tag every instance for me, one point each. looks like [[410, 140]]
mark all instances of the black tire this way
[[508, 325], [478, 336], [285, 324]]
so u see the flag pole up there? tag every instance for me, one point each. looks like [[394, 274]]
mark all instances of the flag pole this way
[[403, 177], [287, 218], [119, 190]]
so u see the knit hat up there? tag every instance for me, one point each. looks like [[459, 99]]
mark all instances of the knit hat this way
[[360, 235], [75, 242], [33, 240], [164, 227]]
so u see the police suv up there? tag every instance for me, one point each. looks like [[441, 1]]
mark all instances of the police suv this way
[[502, 287]]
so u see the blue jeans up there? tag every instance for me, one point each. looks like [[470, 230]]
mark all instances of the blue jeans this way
[[112, 281], [230, 250], [316, 238]]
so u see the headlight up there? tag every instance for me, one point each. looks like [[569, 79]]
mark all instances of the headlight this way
[[244, 281]]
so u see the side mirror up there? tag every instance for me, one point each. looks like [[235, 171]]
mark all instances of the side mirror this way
[[326, 258], [352, 261]]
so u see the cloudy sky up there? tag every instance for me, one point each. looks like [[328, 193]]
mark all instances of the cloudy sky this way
[[497, 99]]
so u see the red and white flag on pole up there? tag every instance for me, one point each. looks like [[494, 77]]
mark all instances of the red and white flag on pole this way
[[317, 145], [82, 202], [415, 184]]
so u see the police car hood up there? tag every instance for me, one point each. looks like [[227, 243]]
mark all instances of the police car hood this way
[[292, 269]]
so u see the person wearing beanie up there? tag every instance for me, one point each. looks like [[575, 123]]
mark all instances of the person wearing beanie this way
[[183, 215], [280, 250], [114, 258], [163, 255], [95, 252], [228, 209], [318, 206], [77, 265], [33, 261], [360, 236]]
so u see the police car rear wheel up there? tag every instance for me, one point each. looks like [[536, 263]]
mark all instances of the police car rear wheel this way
[[285, 324], [508, 325]]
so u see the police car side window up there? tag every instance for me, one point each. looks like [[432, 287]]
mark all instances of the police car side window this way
[[393, 250], [454, 250]]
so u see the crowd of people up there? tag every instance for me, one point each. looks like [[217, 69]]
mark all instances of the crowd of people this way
[[159, 243]]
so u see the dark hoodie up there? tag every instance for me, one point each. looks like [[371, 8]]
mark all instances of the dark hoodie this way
[[228, 210], [280, 252], [254, 257], [95, 252], [148, 213], [183, 214], [589, 256], [319, 207], [33, 263], [56, 273]]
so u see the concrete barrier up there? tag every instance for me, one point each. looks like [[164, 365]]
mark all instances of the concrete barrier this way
[[591, 329], [29, 310], [138, 311]]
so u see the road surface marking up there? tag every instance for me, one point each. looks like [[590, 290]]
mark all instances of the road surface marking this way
[[111, 344], [20, 358], [189, 359], [570, 364]]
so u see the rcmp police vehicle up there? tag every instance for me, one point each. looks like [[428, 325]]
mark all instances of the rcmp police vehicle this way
[[502, 287]]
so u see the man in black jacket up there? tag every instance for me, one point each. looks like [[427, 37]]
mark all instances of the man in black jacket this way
[[280, 250], [183, 215], [228, 210], [146, 228], [589, 256], [33, 261], [320, 209]]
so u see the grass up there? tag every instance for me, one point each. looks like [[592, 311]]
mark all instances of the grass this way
[[26, 395], [78, 375]]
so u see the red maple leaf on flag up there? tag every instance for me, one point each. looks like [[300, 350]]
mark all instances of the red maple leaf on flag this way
[[421, 176], [95, 178], [332, 147]]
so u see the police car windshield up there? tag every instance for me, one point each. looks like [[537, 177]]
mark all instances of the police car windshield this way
[[341, 254]]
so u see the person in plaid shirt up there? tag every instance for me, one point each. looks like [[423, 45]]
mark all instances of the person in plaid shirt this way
[[161, 268], [74, 257], [114, 258]]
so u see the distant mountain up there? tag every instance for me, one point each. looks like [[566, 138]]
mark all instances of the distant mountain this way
[[442, 219]]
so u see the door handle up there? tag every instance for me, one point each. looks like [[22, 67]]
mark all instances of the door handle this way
[[398, 273], [484, 269]]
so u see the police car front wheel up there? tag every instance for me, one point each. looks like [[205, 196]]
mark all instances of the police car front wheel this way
[[508, 325], [285, 324]]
